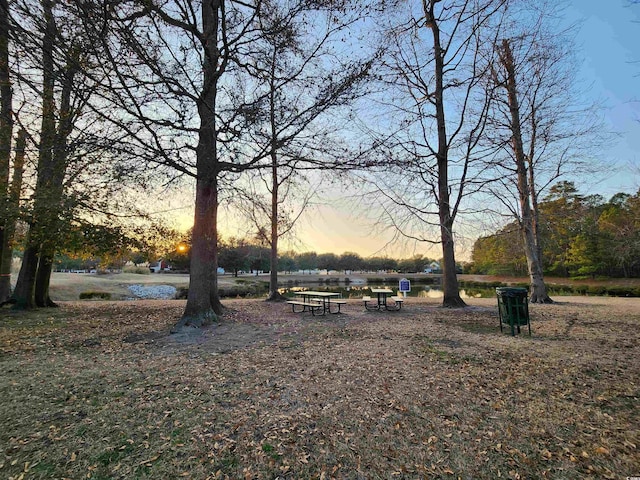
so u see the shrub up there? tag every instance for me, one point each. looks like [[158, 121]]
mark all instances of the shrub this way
[[596, 290], [232, 291], [90, 295], [581, 289], [138, 270], [623, 291], [560, 289]]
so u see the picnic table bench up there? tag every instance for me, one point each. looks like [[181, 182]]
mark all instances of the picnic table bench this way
[[306, 305], [316, 301], [338, 302], [380, 302]]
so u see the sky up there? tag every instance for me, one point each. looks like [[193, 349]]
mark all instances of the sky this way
[[609, 44], [609, 48]]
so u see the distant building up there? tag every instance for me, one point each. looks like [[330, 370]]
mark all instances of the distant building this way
[[433, 267], [160, 266]]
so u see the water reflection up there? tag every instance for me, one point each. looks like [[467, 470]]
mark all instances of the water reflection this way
[[473, 293], [357, 291]]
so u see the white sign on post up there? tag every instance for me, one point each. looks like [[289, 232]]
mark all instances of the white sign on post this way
[[404, 286]]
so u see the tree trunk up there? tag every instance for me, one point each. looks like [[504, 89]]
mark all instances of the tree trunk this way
[[203, 301], [54, 188], [199, 310], [538, 289], [274, 295], [25, 286], [449, 278], [12, 216], [538, 293], [6, 132], [43, 277], [24, 293], [50, 192], [535, 211], [535, 217]]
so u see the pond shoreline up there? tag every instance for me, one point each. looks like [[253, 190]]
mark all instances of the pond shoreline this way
[[69, 286]]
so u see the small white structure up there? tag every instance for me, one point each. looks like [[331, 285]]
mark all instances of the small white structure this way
[[159, 266], [433, 266]]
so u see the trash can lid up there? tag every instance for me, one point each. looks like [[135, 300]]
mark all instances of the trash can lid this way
[[511, 291]]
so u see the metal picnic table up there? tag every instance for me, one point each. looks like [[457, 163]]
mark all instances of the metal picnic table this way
[[315, 300], [382, 295]]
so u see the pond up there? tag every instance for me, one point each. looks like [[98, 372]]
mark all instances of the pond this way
[[426, 291]]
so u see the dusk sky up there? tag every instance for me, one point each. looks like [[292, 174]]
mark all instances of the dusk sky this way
[[609, 48]]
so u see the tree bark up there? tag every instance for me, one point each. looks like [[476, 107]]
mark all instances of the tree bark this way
[[24, 293], [274, 295], [538, 289], [449, 278], [25, 286], [6, 132], [203, 301], [43, 276], [199, 310], [54, 188], [13, 205]]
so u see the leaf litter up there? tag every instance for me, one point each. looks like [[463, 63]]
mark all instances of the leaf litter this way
[[102, 390]]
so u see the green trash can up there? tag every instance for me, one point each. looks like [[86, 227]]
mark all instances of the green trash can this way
[[513, 308]]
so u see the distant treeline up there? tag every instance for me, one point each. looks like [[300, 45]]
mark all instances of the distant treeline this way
[[237, 256], [580, 236]]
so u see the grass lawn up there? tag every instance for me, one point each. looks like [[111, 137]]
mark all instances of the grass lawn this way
[[101, 390]]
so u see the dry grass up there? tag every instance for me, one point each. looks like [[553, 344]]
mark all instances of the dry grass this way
[[100, 390], [69, 286]]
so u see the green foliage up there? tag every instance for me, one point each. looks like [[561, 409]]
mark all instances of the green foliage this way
[[350, 261], [581, 236], [500, 254], [417, 263], [234, 255], [327, 261], [378, 264], [287, 262], [308, 261], [93, 294]]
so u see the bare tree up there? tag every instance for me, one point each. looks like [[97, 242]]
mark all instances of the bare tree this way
[[184, 59], [436, 116], [298, 82], [167, 97], [536, 125], [78, 169], [526, 187], [48, 178]]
